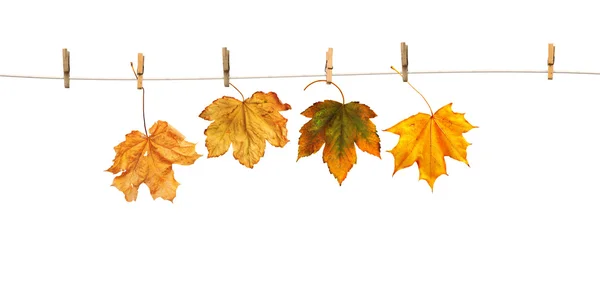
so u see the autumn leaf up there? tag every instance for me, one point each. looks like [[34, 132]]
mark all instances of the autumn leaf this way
[[426, 139], [150, 160], [338, 126], [247, 125]]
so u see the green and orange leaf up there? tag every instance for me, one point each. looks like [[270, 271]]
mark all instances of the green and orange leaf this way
[[143, 159], [338, 126], [246, 125], [426, 139]]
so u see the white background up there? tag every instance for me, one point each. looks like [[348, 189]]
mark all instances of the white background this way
[[526, 210]]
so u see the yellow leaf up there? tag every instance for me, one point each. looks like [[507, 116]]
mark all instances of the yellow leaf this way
[[426, 139], [245, 124], [150, 160]]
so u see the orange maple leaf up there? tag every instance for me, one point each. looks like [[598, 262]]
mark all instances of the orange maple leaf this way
[[338, 126], [426, 139], [246, 124], [150, 160]]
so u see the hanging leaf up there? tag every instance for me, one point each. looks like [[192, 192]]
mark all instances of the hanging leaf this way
[[338, 126], [426, 139], [247, 125], [150, 160]]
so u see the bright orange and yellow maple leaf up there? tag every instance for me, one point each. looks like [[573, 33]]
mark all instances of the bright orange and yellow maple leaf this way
[[150, 160], [247, 125], [338, 126], [426, 139]]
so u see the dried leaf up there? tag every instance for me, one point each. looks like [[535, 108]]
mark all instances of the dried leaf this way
[[150, 160], [246, 125], [426, 139], [338, 126]]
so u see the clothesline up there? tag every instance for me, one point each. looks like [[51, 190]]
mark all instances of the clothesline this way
[[304, 75]]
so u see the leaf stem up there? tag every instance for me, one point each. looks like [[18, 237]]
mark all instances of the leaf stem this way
[[430, 110], [238, 91], [143, 100], [322, 80]]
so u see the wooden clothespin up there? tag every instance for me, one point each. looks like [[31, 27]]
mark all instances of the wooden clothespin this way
[[225, 67], [66, 66], [551, 50], [404, 55], [140, 71], [329, 65]]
